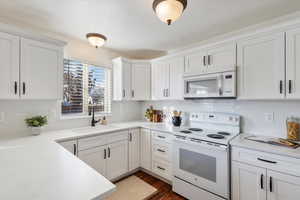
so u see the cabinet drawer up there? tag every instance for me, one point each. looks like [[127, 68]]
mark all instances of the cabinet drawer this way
[[117, 136], [162, 169], [162, 136], [271, 161], [90, 142], [161, 150]]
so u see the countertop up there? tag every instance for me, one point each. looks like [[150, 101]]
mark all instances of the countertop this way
[[37, 167], [240, 141]]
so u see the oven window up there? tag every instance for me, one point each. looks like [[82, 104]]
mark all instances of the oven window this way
[[203, 87], [198, 164]]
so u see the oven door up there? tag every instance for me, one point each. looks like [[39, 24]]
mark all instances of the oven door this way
[[204, 86], [203, 165]]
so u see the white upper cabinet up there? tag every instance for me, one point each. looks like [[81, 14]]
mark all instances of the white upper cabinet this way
[[9, 66], [261, 67], [195, 63], [30, 69], [167, 79], [131, 80], [41, 70], [212, 59], [221, 58], [293, 64], [141, 82], [176, 78]]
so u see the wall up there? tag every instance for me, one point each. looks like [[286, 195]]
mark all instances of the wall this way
[[13, 113], [252, 112]]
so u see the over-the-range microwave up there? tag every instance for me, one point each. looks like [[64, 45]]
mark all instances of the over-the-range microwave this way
[[215, 85]]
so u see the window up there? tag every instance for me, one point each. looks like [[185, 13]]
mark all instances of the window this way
[[84, 86]]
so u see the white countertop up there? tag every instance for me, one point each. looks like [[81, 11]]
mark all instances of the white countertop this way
[[36, 167], [240, 141]]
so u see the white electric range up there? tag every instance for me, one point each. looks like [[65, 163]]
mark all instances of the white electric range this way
[[201, 156]]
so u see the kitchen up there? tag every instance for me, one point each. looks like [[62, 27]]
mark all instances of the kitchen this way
[[73, 102]]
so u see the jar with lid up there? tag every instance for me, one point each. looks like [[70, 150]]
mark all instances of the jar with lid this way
[[293, 128]]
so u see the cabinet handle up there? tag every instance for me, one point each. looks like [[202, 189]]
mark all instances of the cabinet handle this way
[[280, 86], [208, 59], [271, 184], [132, 93], [268, 161], [167, 92], [161, 137], [204, 62], [261, 181], [124, 93], [161, 168], [108, 152], [74, 149], [16, 87], [104, 153], [130, 137], [24, 88], [160, 150], [290, 86]]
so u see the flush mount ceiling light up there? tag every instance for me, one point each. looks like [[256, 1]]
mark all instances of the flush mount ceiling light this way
[[169, 11], [96, 39]]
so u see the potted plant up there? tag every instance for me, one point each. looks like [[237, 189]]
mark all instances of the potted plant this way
[[36, 124]]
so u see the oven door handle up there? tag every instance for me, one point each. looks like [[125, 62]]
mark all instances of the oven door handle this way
[[220, 85], [201, 144]]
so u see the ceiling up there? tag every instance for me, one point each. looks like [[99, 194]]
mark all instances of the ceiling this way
[[131, 25]]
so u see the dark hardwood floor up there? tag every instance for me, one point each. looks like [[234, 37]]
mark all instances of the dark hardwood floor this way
[[164, 189]]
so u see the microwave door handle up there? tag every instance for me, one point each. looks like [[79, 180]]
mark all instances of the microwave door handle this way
[[220, 85]]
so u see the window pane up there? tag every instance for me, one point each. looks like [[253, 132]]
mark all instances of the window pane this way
[[96, 87], [85, 85], [72, 87]]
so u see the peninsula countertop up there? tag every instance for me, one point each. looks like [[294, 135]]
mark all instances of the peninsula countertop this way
[[36, 167]]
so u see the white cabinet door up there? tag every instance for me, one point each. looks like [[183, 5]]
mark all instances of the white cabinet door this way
[[221, 58], [140, 84], [117, 159], [176, 78], [292, 64], [9, 66], [71, 146], [95, 158], [134, 149], [282, 186], [160, 80], [248, 182], [196, 62], [261, 67], [146, 156], [126, 83], [41, 70]]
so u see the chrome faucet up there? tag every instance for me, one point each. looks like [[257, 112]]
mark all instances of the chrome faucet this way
[[94, 122]]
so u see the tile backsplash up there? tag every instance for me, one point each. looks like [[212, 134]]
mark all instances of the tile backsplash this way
[[258, 117]]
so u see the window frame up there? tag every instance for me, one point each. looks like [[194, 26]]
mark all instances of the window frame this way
[[84, 115]]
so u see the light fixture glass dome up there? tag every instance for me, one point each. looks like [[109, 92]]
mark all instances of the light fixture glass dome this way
[[169, 11], [96, 39]]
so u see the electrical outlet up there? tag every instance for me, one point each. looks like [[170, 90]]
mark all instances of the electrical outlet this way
[[2, 117], [269, 117]]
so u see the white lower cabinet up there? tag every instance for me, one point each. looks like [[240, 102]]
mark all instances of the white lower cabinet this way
[[146, 159], [70, 145], [248, 182], [262, 182], [134, 149], [110, 160]]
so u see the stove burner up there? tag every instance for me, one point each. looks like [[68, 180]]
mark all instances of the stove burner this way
[[195, 129], [215, 136], [186, 131], [223, 133]]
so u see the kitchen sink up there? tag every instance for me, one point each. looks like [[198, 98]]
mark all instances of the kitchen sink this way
[[93, 129]]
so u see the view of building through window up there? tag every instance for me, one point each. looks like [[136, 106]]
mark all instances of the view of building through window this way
[[85, 86]]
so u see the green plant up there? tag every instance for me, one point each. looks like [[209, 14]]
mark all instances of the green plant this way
[[37, 121]]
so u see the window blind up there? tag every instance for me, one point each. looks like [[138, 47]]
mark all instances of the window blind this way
[[86, 86]]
